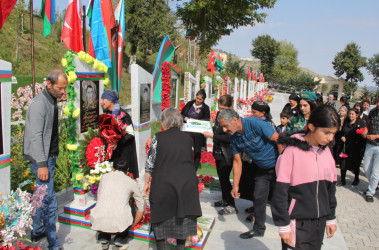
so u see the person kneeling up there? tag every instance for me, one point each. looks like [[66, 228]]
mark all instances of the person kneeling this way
[[112, 213]]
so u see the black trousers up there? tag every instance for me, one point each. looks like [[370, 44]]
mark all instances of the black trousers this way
[[309, 234], [223, 172], [263, 182]]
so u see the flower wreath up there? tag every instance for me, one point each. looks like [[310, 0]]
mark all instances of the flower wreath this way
[[70, 110], [166, 83]]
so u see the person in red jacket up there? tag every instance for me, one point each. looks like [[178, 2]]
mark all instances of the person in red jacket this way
[[304, 201]]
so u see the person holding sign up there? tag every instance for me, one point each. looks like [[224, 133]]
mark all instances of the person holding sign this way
[[197, 109]]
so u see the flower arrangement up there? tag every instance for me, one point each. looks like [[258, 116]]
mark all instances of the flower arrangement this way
[[181, 106], [207, 158], [204, 181], [145, 217], [95, 152], [166, 83], [91, 181], [16, 212], [360, 131]]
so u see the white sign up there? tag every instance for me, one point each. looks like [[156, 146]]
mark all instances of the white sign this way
[[197, 126]]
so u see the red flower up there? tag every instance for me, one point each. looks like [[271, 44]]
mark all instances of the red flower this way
[[181, 106], [360, 131], [93, 152], [147, 145], [207, 157], [111, 130], [166, 83], [305, 127]]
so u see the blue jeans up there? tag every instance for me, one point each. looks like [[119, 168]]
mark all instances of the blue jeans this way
[[44, 219], [371, 166]]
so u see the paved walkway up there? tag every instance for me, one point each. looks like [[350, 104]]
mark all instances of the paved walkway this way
[[358, 221]]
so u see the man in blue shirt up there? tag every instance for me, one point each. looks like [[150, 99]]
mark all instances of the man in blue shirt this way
[[256, 138]]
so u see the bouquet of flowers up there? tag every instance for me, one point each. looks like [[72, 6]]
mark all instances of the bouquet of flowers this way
[[204, 181], [16, 212], [112, 129], [343, 154], [91, 181], [360, 131]]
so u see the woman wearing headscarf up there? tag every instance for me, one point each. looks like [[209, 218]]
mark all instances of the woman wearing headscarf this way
[[171, 183], [197, 109], [293, 105], [125, 149], [307, 105]]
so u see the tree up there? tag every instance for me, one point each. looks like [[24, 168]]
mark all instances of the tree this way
[[210, 20], [367, 93], [348, 63], [303, 81], [373, 67], [324, 88], [147, 33], [286, 63], [334, 87], [234, 68], [266, 49]]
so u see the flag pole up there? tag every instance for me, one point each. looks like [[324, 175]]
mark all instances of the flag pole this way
[[117, 79], [84, 28], [32, 47]]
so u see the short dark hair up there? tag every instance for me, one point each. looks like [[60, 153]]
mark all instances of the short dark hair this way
[[54, 75], [226, 100], [360, 107], [120, 165], [344, 99], [355, 110], [286, 114], [202, 93], [324, 116], [366, 100]]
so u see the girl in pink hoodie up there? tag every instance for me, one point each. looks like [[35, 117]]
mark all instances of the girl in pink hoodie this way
[[304, 201]]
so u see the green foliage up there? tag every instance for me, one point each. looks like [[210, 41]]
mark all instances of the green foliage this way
[[373, 67], [147, 34], [266, 49], [303, 81], [367, 93], [348, 63], [286, 63], [155, 128], [20, 169], [349, 87], [210, 20], [335, 87], [234, 68], [62, 177], [324, 88]]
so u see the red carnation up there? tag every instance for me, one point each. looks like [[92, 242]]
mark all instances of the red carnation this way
[[360, 131], [94, 152]]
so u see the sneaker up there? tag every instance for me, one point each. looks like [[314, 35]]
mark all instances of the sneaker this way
[[220, 203], [227, 210], [369, 198]]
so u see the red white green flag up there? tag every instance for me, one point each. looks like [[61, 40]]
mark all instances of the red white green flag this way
[[6, 7], [72, 34]]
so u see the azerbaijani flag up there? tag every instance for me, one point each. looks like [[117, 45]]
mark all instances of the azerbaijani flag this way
[[120, 17], [211, 63], [165, 54], [218, 62], [91, 50], [48, 15], [6, 7], [248, 73]]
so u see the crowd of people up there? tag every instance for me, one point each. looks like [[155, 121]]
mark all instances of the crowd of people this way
[[291, 166]]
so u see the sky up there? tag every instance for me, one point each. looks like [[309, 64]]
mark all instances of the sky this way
[[319, 29]]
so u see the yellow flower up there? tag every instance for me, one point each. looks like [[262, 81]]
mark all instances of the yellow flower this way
[[25, 174], [89, 58], [92, 180], [96, 64], [87, 176], [66, 111], [76, 113], [82, 55], [85, 186], [79, 177], [100, 68], [64, 62], [71, 76], [106, 81], [105, 68], [98, 178], [71, 147]]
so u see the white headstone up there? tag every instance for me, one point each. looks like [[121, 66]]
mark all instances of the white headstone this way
[[236, 93], [209, 92], [6, 81], [141, 80]]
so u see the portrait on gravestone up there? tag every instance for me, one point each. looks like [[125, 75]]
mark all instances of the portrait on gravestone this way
[[174, 85], [89, 105], [1, 127], [145, 99]]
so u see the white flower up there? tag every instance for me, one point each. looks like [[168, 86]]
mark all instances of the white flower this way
[[103, 170], [109, 169]]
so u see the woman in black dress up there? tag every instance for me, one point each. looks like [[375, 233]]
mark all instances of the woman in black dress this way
[[173, 191], [293, 105], [354, 146], [125, 149], [197, 109]]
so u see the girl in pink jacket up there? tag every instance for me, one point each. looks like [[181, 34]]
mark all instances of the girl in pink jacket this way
[[304, 201]]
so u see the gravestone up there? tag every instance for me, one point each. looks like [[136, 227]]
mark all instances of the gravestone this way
[[251, 89], [220, 86], [209, 91], [6, 82], [190, 87], [141, 106], [175, 87], [236, 93], [89, 86]]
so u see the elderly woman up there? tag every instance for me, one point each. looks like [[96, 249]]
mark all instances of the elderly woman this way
[[197, 109], [174, 197], [125, 149]]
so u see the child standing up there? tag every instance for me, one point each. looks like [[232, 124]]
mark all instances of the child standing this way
[[112, 213], [284, 118], [304, 200]]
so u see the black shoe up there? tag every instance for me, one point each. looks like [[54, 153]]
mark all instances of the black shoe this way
[[341, 184], [250, 218], [104, 238], [220, 203], [251, 234], [369, 198], [249, 210], [35, 238], [355, 183]]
